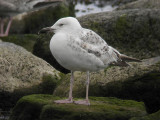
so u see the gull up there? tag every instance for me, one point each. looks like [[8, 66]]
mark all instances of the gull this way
[[80, 49], [10, 8]]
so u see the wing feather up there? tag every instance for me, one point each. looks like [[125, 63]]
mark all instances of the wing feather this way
[[94, 44]]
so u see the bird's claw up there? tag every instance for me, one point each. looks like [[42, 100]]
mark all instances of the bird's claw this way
[[82, 102], [63, 101]]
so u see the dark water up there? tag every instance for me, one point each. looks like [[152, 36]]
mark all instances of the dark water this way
[[4, 115]]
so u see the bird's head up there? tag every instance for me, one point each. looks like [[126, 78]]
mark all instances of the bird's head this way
[[67, 24]]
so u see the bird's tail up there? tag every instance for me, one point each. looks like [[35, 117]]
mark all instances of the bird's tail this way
[[129, 59], [123, 59]]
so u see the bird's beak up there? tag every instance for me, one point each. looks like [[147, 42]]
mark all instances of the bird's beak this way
[[46, 30]]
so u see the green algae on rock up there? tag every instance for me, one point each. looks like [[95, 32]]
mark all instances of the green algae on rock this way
[[25, 40], [9, 99], [41, 107], [145, 88], [153, 116]]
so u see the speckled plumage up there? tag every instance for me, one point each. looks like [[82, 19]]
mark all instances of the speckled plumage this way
[[81, 49]]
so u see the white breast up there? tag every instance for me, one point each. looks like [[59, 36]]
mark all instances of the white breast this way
[[74, 59]]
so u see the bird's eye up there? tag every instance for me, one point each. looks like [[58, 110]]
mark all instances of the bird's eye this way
[[61, 24]]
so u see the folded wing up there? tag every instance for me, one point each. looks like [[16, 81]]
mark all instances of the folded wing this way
[[94, 44]]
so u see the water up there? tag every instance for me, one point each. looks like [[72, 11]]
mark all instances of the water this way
[[4, 115], [83, 8]]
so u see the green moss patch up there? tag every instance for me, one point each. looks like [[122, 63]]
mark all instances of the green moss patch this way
[[145, 88], [153, 116], [47, 86], [25, 40], [42, 107]]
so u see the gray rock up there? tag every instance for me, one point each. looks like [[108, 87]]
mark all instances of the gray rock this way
[[141, 4], [122, 2], [20, 69]]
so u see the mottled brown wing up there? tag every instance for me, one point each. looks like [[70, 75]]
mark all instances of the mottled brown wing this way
[[94, 44]]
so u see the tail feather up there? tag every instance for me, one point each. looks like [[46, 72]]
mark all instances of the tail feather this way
[[129, 59], [123, 59]]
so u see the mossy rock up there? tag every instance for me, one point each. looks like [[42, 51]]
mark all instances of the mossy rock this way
[[145, 88], [153, 116], [25, 40], [42, 107], [9, 99]]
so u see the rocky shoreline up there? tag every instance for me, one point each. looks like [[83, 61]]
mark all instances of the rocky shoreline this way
[[131, 30]]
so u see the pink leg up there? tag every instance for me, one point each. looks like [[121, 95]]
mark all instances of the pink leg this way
[[2, 34], [69, 100], [86, 101], [8, 27]]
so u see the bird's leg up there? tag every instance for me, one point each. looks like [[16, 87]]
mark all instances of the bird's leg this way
[[8, 26], [2, 34], [71, 86], [86, 101], [70, 98]]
